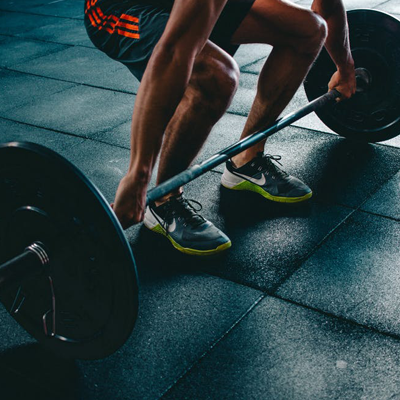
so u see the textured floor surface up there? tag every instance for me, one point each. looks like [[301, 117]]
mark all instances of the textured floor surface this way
[[306, 304]]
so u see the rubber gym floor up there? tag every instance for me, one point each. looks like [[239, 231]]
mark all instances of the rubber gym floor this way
[[306, 304]]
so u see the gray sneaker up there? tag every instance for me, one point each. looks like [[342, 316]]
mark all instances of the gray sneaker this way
[[262, 176], [188, 231]]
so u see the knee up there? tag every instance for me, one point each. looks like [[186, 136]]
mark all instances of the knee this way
[[217, 80], [314, 36], [228, 75]]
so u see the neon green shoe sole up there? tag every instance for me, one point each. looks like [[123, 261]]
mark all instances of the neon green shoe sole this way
[[251, 187], [186, 250]]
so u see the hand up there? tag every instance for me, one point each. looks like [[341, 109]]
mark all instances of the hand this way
[[130, 201], [344, 82]]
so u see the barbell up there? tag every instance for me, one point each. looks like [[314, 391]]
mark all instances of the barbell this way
[[67, 272]]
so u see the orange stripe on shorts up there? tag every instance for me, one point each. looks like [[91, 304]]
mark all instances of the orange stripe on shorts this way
[[98, 20], [129, 18], [128, 26], [101, 21], [92, 21], [128, 34], [100, 13]]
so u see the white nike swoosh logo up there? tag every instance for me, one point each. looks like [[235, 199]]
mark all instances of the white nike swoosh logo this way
[[172, 226], [261, 181]]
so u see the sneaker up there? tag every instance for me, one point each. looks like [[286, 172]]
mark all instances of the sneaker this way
[[188, 231], [263, 176]]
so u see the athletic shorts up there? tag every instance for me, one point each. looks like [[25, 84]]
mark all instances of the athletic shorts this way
[[128, 30]]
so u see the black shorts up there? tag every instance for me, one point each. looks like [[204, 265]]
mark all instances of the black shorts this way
[[128, 30]]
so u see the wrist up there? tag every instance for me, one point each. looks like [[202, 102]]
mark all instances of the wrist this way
[[347, 67], [140, 176]]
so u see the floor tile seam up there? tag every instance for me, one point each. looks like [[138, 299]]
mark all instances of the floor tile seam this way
[[68, 81], [307, 256], [251, 72], [380, 215], [84, 138], [381, 4], [381, 144], [294, 303], [73, 85], [23, 104], [302, 128], [44, 41], [387, 145], [42, 15], [45, 128], [336, 135], [300, 262], [238, 114], [374, 192], [245, 115], [250, 64], [215, 171], [33, 58], [241, 114], [214, 344], [119, 146], [336, 317]]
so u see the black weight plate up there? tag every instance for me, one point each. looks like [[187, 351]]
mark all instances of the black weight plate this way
[[374, 115], [94, 280]]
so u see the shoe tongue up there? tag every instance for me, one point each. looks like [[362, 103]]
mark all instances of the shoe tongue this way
[[260, 160], [270, 165], [188, 213]]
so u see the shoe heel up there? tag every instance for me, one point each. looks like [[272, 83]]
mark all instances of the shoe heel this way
[[230, 181], [149, 221]]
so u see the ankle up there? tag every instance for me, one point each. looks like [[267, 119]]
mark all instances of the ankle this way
[[242, 159], [168, 196]]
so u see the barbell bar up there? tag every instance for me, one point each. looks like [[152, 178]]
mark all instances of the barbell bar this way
[[67, 272]]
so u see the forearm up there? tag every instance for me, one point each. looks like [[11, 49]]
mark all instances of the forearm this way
[[337, 42]]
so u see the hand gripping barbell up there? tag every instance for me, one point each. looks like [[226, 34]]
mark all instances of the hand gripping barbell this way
[[67, 273]]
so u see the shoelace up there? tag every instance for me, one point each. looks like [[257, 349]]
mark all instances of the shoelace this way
[[264, 163], [184, 209]]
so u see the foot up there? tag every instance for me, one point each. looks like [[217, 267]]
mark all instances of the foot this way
[[188, 231], [263, 176]]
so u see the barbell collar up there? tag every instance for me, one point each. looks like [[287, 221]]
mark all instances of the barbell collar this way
[[30, 262], [39, 249]]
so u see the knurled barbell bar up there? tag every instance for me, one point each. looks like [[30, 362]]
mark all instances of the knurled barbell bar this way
[[67, 273]]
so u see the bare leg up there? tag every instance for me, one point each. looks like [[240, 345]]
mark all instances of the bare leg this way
[[211, 88], [212, 84], [297, 35]]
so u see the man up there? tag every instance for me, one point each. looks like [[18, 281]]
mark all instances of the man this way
[[180, 50]]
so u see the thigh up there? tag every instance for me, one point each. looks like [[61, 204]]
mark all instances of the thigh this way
[[274, 22], [230, 19], [128, 31]]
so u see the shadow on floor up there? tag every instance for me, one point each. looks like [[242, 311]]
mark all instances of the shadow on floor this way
[[29, 372]]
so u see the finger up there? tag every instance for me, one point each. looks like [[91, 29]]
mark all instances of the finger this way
[[339, 98]]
